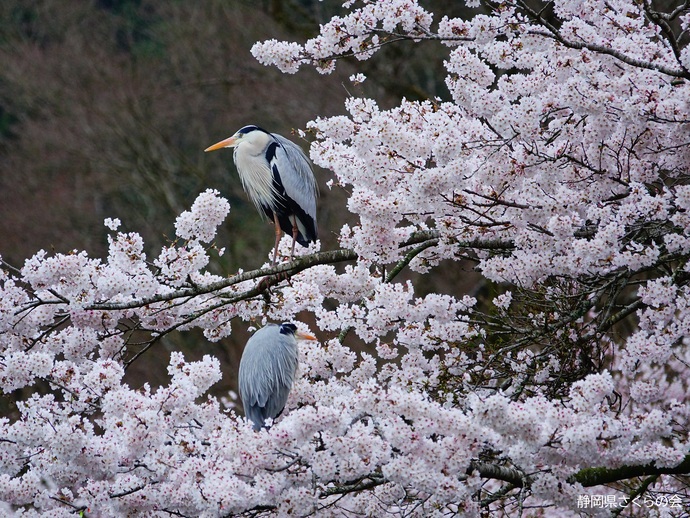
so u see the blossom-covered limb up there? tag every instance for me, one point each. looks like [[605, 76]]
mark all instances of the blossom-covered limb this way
[[596, 476], [553, 32]]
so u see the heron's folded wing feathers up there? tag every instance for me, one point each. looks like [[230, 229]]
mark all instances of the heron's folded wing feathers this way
[[300, 187]]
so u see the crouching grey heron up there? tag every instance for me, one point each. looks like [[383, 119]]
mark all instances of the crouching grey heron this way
[[267, 371], [278, 178]]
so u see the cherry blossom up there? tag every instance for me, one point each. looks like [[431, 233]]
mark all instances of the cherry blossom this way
[[556, 165]]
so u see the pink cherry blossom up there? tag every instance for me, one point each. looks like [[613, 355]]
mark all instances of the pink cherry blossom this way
[[554, 170]]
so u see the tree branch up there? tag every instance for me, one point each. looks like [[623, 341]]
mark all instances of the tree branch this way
[[278, 272], [553, 33], [513, 476], [636, 493], [362, 484], [589, 477], [291, 268]]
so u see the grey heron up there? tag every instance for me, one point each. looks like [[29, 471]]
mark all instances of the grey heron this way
[[267, 371], [278, 178]]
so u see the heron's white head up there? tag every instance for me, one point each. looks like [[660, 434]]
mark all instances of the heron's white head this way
[[252, 135]]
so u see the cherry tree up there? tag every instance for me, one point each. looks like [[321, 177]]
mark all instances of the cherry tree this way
[[558, 164]]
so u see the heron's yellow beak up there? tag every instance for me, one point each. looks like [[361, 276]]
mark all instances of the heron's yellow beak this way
[[228, 142], [304, 336]]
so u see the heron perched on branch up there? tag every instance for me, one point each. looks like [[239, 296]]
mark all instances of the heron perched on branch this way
[[278, 178], [267, 371]]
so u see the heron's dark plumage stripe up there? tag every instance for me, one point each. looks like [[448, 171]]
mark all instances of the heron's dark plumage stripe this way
[[286, 207], [271, 151]]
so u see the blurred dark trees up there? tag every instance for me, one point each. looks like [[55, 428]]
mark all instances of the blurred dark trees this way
[[106, 108]]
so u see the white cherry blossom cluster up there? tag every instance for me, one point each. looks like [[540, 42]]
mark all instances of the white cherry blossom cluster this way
[[558, 163], [200, 223], [356, 34]]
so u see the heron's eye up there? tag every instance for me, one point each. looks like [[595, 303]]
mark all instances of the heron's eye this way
[[288, 329]]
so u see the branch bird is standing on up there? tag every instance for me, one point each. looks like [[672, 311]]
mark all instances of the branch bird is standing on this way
[[278, 178]]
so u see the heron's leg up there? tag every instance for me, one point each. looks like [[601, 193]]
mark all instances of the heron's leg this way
[[295, 231], [279, 233]]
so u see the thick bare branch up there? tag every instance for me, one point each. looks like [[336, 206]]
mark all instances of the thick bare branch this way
[[590, 477]]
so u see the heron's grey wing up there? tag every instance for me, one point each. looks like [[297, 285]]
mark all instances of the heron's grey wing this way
[[267, 371], [296, 175], [283, 355]]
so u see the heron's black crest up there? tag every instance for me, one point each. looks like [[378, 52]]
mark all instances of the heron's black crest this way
[[288, 329], [249, 129]]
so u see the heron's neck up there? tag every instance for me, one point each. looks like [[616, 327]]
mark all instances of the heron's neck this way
[[256, 176]]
